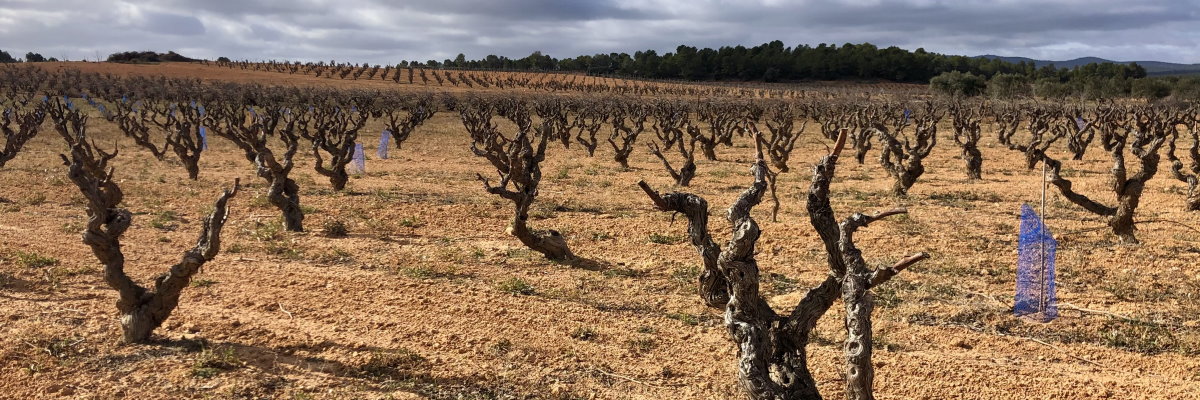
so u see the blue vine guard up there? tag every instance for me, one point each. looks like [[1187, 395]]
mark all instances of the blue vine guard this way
[[382, 150], [359, 160], [1035, 269]]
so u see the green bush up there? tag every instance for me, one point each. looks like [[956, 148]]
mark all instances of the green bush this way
[[958, 84], [1009, 86], [1150, 88], [1052, 88]]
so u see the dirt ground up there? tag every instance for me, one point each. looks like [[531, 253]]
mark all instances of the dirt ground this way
[[215, 73], [428, 297]]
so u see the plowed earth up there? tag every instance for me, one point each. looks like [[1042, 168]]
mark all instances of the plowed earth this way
[[428, 298]]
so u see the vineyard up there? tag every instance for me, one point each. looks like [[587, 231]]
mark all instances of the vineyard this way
[[286, 230]]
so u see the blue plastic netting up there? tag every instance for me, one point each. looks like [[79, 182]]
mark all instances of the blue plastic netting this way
[[1035, 269], [382, 150], [360, 159], [203, 138]]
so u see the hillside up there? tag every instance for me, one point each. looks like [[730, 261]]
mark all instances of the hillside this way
[[1152, 67]]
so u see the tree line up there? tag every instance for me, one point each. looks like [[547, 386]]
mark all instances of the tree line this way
[[1091, 82], [768, 62], [5, 58], [774, 61]]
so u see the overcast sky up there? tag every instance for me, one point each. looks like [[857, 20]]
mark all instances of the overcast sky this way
[[380, 31]]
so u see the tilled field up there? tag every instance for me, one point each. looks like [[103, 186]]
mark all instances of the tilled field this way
[[429, 298]]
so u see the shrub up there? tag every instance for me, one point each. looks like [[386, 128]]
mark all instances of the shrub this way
[[1150, 88], [1008, 86], [1052, 88], [958, 84]]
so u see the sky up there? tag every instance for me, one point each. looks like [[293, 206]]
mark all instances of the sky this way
[[386, 32]]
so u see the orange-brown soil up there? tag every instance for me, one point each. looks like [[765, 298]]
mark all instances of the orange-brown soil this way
[[428, 298]]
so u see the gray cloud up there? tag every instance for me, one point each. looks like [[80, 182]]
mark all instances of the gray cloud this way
[[173, 24], [383, 31]]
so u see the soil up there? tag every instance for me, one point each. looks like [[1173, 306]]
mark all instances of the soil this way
[[429, 298]]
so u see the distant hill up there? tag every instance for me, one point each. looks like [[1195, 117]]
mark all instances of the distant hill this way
[[139, 57], [1152, 67]]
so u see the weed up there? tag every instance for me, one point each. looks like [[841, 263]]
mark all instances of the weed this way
[[516, 286], [384, 195], [583, 333], [260, 201], [425, 272], [963, 199], [563, 173], [235, 248], [60, 348], [687, 319], [781, 283], [625, 272], [284, 249], [267, 232], [502, 347], [685, 275], [53, 275], [568, 207], [33, 368], [336, 255], [395, 364], [520, 253], [36, 199], [202, 283], [72, 227], [211, 362], [1145, 338], [888, 295], [165, 220], [664, 239], [881, 340], [34, 260], [642, 345], [940, 292], [411, 222], [541, 212], [907, 225], [336, 228]]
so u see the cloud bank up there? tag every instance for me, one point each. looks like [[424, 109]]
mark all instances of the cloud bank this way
[[380, 31]]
